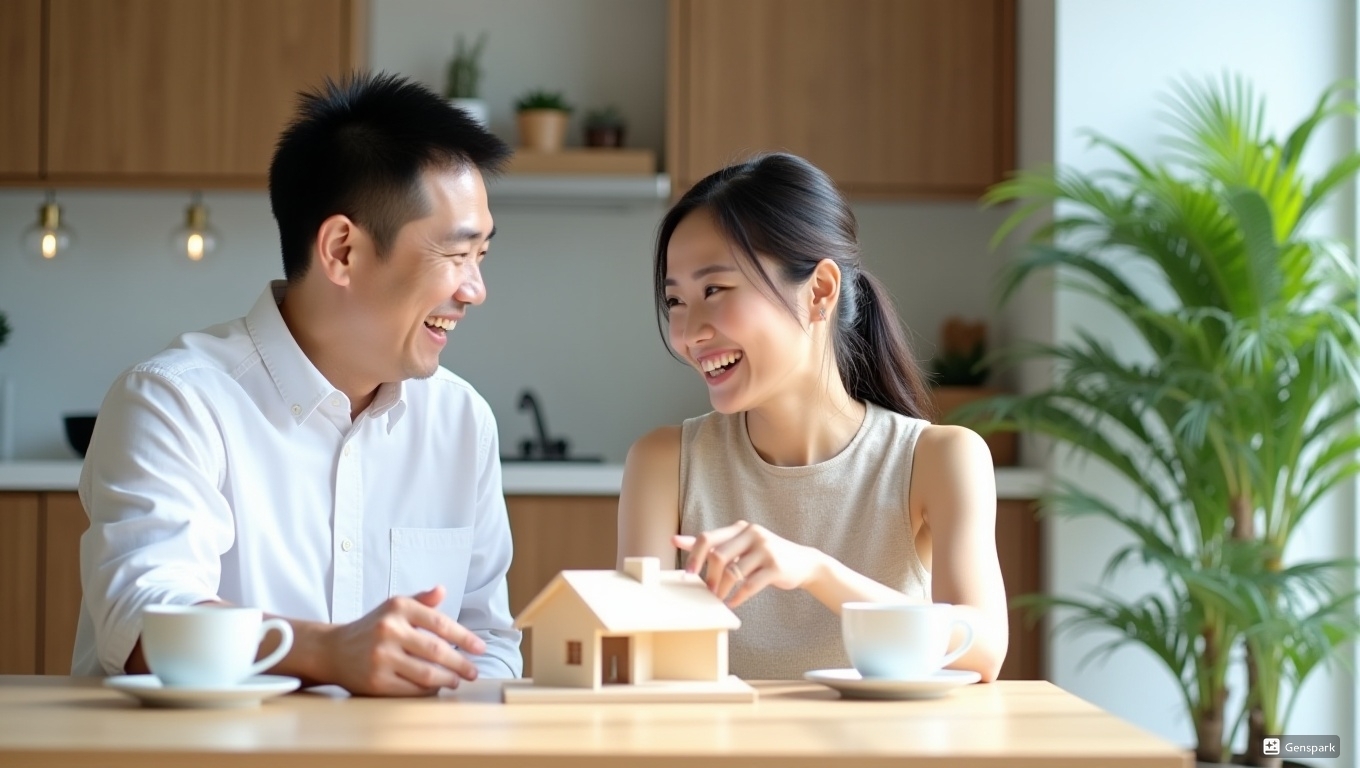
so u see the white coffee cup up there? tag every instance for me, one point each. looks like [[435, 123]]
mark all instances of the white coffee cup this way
[[891, 641], [207, 646]]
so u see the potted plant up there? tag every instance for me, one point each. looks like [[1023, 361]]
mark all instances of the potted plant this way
[[464, 77], [542, 116], [1239, 418], [959, 376], [605, 127]]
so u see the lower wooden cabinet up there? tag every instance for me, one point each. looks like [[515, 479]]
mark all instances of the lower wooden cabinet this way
[[39, 581], [1019, 548], [556, 533], [553, 534], [40, 569], [64, 522], [20, 519]]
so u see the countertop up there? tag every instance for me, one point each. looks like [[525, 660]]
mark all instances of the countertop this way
[[518, 479], [74, 722]]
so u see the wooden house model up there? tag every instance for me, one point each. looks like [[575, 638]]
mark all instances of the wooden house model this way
[[638, 634]]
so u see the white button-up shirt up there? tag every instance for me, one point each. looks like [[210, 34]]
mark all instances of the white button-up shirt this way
[[228, 468]]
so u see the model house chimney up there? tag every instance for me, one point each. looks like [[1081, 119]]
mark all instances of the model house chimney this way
[[644, 570]]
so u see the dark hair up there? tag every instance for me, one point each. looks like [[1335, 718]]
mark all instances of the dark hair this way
[[783, 207], [358, 148]]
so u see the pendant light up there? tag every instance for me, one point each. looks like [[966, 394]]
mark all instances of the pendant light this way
[[49, 237], [196, 238]]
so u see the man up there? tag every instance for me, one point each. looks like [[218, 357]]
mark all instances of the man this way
[[313, 459]]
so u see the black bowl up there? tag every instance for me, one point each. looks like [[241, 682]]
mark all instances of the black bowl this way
[[79, 427]]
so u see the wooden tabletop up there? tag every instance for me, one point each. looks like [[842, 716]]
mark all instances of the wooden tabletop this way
[[50, 721]]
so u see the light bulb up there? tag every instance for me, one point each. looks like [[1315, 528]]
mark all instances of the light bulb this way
[[196, 238], [48, 238]]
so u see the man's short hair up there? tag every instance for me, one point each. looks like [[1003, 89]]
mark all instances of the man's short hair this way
[[358, 148]]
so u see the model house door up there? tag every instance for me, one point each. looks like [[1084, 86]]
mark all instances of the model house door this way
[[614, 665]]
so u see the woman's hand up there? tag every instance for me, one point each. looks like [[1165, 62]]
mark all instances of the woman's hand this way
[[750, 556]]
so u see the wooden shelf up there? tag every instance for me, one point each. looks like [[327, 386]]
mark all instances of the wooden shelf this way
[[581, 161]]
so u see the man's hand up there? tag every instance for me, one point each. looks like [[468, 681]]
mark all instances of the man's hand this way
[[401, 648]]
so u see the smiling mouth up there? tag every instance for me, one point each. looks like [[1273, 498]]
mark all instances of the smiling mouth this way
[[717, 366], [440, 324]]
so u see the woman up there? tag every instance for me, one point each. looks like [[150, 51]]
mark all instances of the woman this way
[[815, 474]]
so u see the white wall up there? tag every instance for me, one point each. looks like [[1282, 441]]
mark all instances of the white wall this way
[[1113, 61], [569, 309]]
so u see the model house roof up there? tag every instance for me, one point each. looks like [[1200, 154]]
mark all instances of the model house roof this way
[[664, 601]]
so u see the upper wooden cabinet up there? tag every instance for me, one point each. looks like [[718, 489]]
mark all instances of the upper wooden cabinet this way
[[20, 87], [173, 93], [892, 98]]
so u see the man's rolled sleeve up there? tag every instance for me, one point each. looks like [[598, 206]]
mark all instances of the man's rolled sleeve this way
[[158, 523]]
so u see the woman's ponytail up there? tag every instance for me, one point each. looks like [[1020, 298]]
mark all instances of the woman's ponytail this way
[[873, 355]]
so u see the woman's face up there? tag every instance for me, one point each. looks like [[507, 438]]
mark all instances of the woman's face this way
[[725, 323]]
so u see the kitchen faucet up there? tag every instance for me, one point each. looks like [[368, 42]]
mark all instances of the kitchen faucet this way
[[545, 448]]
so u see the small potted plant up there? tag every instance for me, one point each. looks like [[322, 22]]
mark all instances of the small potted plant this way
[[959, 376], [605, 127], [464, 76], [542, 116]]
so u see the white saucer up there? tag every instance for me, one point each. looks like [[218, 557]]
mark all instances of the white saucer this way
[[148, 690], [852, 686]]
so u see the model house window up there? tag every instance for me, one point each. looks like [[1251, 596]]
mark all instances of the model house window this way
[[574, 652]]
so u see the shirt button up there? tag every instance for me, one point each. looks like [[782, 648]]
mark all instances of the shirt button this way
[[297, 409], [346, 545], [335, 402], [347, 450]]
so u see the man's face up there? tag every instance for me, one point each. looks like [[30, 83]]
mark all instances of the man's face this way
[[411, 300]]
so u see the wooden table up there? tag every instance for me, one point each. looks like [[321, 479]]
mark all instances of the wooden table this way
[[51, 721]]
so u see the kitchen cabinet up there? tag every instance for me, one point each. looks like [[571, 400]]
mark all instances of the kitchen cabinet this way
[[892, 98], [39, 581], [40, 565], [1019, 548], [19, 590], [40, 569], [553, 534], [163, 93], [64, 521], [556, 533], [20, 88]]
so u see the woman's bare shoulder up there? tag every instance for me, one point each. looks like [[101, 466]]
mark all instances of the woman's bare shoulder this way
[[949, 443], [661, 444], [948, 460]]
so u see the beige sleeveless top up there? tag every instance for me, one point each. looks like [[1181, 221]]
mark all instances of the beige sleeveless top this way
[[853, 507]]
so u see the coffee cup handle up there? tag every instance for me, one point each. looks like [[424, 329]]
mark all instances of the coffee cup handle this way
[[964, 646], [285, 631]]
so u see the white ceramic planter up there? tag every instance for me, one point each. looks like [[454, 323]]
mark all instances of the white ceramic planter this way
[[476, 109]]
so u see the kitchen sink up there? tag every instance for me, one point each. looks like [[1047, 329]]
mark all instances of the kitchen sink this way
[[543, 448], [552, 459]]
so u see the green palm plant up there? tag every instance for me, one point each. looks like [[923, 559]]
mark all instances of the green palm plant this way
[[1237, 416]]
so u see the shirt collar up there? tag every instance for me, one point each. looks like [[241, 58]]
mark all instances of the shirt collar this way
[[390, 400], [303, 387]]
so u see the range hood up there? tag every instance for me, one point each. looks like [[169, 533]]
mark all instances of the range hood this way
[[583, 190]]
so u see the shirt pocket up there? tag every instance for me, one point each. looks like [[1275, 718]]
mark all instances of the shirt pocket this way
[[425, 557]]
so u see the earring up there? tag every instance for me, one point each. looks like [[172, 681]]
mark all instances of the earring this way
[[822, 310]]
